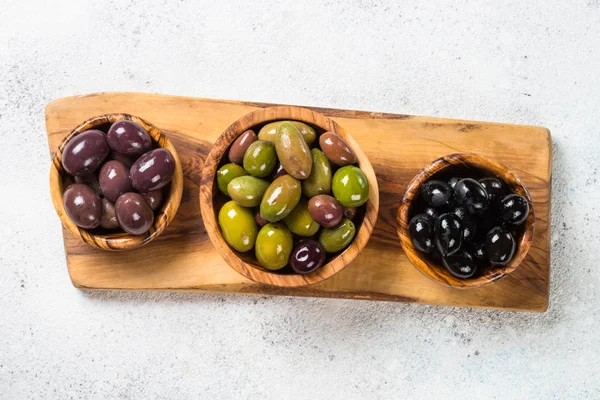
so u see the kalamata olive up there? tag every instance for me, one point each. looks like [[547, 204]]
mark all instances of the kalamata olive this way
[[350, 213], [461, 265], [91, 180], [494, 188], [123, 159], [109, 218], [85, 152], [325, 210], [421, 230], [453, 181], [514, 209], [437, 194], [152, 170], [468, 222], [128, 138], [83, 205], [470, 194], [133, 213], [239, 147], [279, 171], [307, 256], [432, 213], [114, 180], [500, 246], [448, 234], [336, 149], [259, 220], [154, 198]]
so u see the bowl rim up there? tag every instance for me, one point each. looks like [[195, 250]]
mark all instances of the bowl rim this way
[[437, 273], [121, 240], [208, 189]]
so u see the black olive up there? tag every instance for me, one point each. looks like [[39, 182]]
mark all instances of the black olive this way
[[494, 188], [431, 213], [461, 265], [437, 194], [479, 253], [448, 233], [469, 226], [500, 246], [470, 194], [453, 181], [514, 209], [421, 233]]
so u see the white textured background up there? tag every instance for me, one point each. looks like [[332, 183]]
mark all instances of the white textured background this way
[[525, 62]]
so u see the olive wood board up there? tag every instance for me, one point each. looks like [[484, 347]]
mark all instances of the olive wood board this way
[[398, 146]]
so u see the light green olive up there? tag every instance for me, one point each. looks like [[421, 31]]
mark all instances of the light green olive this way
[[260, 158], [280, 198], [299, 220], [269, 131], [226, 174], [274, 245], [339, 237], [350, 186], [319, 180], [247, 190], [238, 226], [292, 151]]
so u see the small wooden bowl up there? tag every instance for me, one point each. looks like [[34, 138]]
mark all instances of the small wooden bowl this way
[[246, 263], [119, 240], [438, 272]]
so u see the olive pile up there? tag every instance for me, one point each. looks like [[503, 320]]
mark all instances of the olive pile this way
[[123, 191], [287, 201], [469, 224]]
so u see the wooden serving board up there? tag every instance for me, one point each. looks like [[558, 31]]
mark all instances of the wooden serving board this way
[[398, 146]]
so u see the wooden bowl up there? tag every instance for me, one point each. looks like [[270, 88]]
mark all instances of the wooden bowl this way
[[438, 272], [246, 263], [118, 240]]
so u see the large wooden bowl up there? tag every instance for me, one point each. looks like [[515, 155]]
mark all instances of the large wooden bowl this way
[[118, 240], [246, 263], [438, 272]]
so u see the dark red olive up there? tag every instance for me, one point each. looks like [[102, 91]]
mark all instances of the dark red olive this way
[[350, 213], [494, 188], [470, 194], [153, 198], [128, 138], [83, 205], [91, 180], [123, 159], [133, 213], [114, 180], [239, 147], [259, 220], [152, 170], [500, 246], [448, 234], [85, 152], [437, 194], [514, 209], [279, 171], [109, 219], [461, 265], [307, 256], [325, 210], [432, 213], [421, 230]]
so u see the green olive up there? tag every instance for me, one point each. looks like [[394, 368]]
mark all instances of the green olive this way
[[274, 245], [269, 131], [247, 190], [292, 150], [350, 186], [319, 180], [238, 226], [280, 198], [226, 174], [260, 158], [337, 238], [299, 220]]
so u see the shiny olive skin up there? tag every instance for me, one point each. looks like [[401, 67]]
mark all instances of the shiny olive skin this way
[[109, 218], [514, 209], [226, 174], [299, 221], [123, 159], [279, 171], [85, 152], [336, 149], [238, 226], [319, 180], [307, 256], [500, 246], [350, 186], [247, 190], [494, 188], [292, 151], [350, 213], [461, 265], [422, 233], [133, 213], [128, 138], [269, 131], [154, 198], [114, 180], [325, 210], [281, 197], [432, 213], [339, 237], [453, 181], [91, 180], [259, 220], [437, 194], [479, 254], [469, 225], [83, 205], [153, 170], [240, 145], [260, 159], [274, 244], [471, 195], [448, 234]]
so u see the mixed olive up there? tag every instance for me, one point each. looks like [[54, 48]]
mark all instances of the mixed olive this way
[[466, 221], [119, 178], [294, 195]]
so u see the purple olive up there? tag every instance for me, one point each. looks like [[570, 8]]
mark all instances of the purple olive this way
[[91, 180], [83, 205], [153, 198], [128, 138], [85, 152], [152, 170], [239, 147], [279, 171], [350, 213], [114, 180], [123, 159], [307, 256], [325, 210], [133, 213], [109, 219], [259, 220]]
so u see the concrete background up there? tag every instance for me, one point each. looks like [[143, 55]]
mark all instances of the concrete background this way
[[525, 62]]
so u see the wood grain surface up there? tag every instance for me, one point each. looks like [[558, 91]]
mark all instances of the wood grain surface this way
[[398, 146]]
